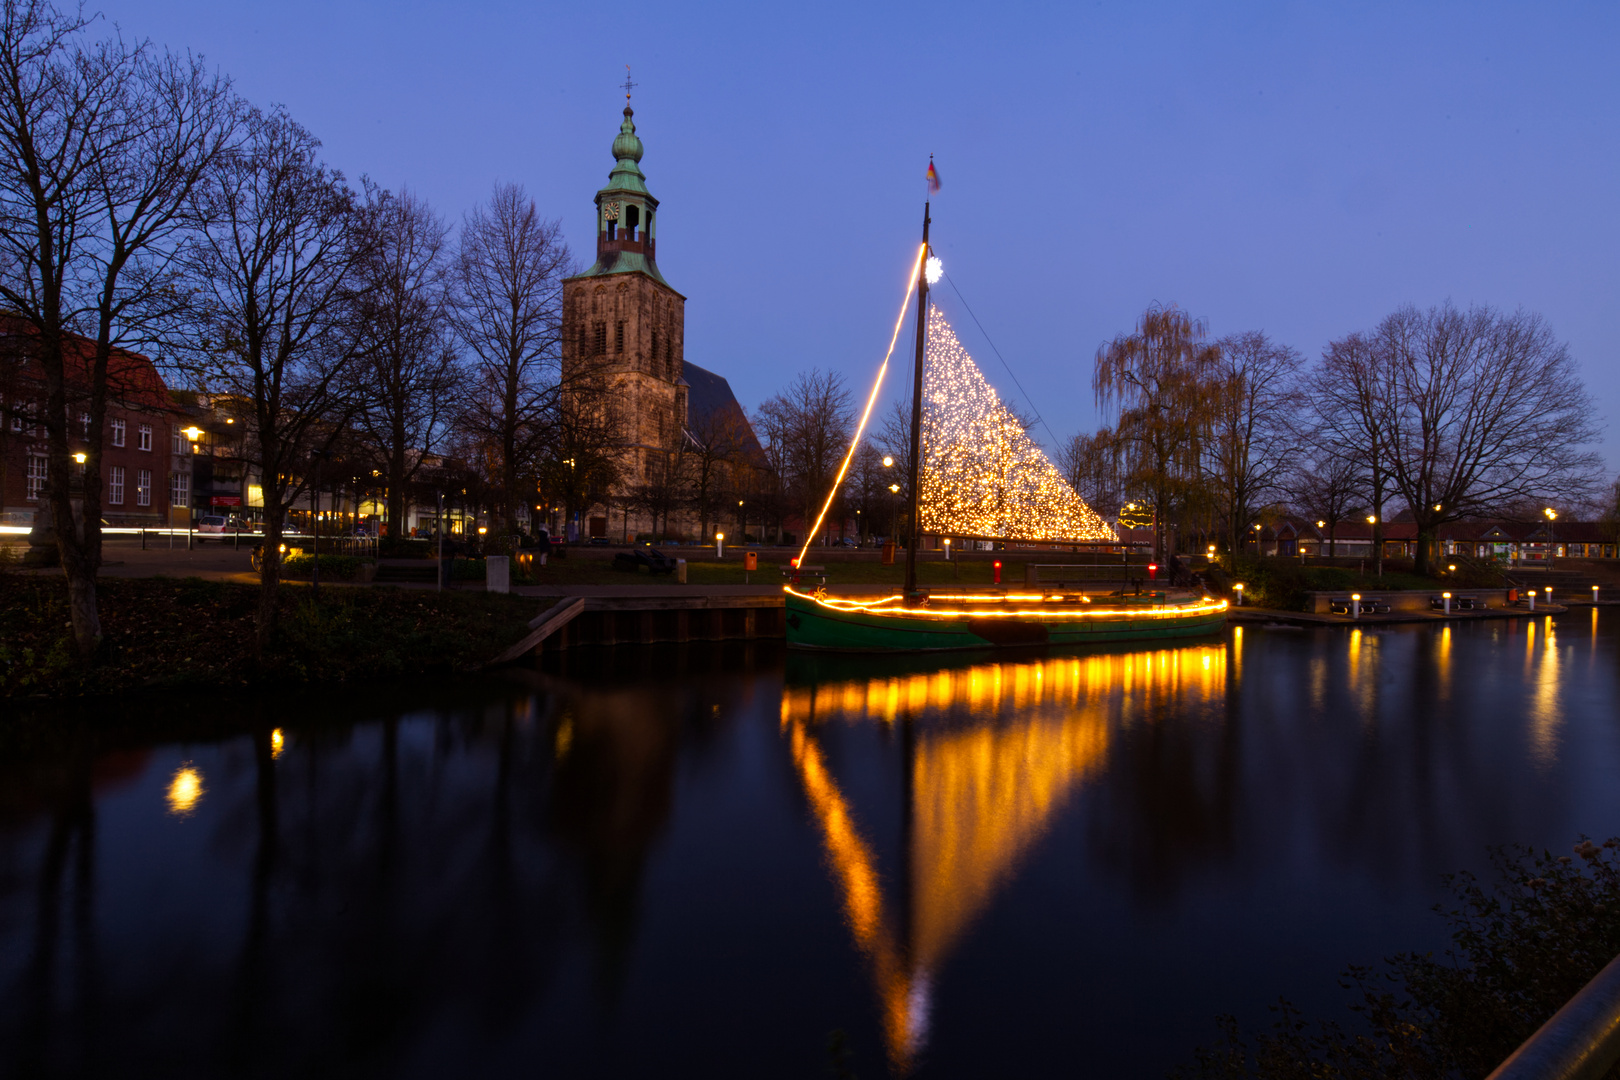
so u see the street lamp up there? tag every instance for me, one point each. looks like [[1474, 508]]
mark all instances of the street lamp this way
[[1552, 541]]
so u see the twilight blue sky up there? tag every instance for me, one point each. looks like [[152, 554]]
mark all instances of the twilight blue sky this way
[[1301, 168]]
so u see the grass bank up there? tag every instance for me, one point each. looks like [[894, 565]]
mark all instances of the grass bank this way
[[185, 632]]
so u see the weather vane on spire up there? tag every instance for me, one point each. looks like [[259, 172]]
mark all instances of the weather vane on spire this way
[[628, 85]]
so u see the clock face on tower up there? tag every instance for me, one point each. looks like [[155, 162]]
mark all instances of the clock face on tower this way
[[611, 210]]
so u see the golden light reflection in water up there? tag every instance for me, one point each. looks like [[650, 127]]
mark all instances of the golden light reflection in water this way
[[185, 790], [1443, 662], [982, 792], [1542, 673], [278, 744]]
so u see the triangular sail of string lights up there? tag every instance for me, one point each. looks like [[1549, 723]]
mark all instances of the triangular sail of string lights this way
[[982, 475]]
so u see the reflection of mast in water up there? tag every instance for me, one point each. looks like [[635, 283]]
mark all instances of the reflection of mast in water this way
[[979, 789]]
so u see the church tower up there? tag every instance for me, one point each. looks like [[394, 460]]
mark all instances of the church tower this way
[[622, 319]]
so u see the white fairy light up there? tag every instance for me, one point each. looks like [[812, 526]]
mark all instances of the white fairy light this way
[[982, 475]]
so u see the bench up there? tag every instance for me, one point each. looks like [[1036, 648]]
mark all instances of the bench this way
[[805, 571], [1370, 605], [1458, 603]]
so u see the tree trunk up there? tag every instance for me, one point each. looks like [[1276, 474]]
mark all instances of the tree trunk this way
[[269, 576], [1421, 559]]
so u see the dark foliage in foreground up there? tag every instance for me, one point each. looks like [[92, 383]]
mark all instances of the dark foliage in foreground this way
[[1520, 950], [175, 632]]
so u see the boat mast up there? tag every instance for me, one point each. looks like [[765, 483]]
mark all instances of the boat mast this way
[[916, 413]]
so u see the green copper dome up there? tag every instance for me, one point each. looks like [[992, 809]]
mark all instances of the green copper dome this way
[[626, 175], [627, 145]]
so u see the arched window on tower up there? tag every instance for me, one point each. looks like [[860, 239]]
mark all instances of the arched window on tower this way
[[632, 218], [582, 351], [601, 339], [655, 343]]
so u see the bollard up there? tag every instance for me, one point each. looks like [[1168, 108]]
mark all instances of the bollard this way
[[143, 537], [1532, 595], [1447, 598], [497, 574], [1355, 605], [996, 566], [680, 571]]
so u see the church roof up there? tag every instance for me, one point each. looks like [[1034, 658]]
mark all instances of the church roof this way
[[625, 262], [709, 395]]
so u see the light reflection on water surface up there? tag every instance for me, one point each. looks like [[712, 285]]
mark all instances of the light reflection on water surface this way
[[701, 862]]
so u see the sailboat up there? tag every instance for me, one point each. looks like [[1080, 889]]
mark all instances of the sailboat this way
[[976, 473]]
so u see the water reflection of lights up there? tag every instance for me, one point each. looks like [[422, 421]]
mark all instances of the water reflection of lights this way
[[278, 744], [185, 790], [982, 792], [1546, 711]]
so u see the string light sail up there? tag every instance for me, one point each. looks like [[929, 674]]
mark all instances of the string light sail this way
[[982, 475]]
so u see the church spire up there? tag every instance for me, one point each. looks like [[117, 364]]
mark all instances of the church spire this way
[[626, 226]]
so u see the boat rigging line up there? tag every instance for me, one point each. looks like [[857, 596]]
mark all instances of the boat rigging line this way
[[1056, 445], [871, 400]]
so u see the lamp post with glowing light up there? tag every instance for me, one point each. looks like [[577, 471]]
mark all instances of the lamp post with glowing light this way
[[1552, 541], [719, 545]]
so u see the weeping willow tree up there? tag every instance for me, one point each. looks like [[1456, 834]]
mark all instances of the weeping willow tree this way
[[1155, 377]]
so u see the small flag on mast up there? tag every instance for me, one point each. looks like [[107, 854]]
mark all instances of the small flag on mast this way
[[933, 176]]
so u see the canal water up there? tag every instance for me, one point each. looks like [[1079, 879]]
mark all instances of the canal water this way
[[708, 861]]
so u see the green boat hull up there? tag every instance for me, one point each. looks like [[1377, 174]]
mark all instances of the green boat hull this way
[[815, 626]]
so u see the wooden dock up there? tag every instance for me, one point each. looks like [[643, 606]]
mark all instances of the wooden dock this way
[[650, 620]]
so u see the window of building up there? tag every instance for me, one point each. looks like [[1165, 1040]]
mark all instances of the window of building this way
[[601, 339], [115, 486], [655, 343], [582, 351], [118, 432], [84, 422], [632, 218], [143, 435], [143, 487], [179, 488], [177, 441], [618, 338], [36, 476]]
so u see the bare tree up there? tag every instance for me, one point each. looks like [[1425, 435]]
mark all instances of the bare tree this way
[[579, 461], [101, 145], [1090, 463], [510, 271], [1352, 398], [663, 490], [1326, 488], [275, 274], [1253, 400], [1156, 377], [719, 441], [409, 373], [1486, 408], [817, 415], [771, 423]]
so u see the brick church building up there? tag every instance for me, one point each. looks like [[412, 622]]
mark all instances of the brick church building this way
[[622, 320]]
